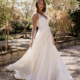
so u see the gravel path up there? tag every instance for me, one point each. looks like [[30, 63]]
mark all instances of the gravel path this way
[[70, 56]]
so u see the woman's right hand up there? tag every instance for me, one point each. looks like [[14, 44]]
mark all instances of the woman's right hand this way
[[30, 45]]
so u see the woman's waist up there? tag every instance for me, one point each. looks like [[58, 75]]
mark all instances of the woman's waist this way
[[44, 27]]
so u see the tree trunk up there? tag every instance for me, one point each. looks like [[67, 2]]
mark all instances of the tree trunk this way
[[64, 35], [7, 34], [6, 37], [25, 36], [1, 48]]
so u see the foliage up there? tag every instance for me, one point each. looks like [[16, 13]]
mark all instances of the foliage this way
[[18, 26], [75, 16], [31, 26], [1, 33], [59, 17], [2, 37], [2, 20]]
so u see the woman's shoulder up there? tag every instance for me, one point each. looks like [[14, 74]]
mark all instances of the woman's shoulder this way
[[35, 15]]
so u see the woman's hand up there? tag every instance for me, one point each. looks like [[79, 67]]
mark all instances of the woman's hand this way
[[30, 45]]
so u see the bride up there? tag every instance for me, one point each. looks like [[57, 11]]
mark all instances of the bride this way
[[42, 60]]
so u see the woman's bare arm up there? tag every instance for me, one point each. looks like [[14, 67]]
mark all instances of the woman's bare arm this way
[[34, 22], [53, 39]]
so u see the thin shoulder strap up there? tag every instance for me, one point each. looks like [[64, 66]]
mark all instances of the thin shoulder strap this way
[[39, 15]]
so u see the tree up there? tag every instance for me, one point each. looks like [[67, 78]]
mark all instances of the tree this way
[[27, 11], [59, 17], [8, 12], [5, 11]]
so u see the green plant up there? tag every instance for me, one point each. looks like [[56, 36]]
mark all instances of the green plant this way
[[75, 16], [18, 27], [2, 37], [1, 33], [31, 26], [10, 38]]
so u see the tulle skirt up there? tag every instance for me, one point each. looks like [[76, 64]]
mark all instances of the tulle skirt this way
[[42, 61]]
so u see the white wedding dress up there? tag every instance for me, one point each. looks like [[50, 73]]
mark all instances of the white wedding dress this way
[[42, 61]]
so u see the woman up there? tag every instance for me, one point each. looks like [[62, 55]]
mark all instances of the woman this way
[[42, 60]]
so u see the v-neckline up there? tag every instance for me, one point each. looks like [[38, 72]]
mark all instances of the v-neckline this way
[[43, 16]]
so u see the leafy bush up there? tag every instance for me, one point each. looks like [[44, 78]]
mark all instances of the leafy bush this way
[[1, 33], [2, 37], [18, 27], [75, 16], [10, 38], [2, 20]]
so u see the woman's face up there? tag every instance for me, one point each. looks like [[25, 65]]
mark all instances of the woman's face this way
[[41, 4]]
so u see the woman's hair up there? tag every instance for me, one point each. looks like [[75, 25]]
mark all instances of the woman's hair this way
[[37, 9]]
